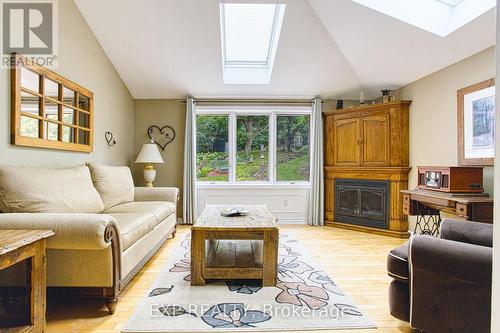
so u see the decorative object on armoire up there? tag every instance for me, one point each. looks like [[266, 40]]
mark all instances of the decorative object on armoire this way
[[150, 155], [48, 110], [385, 95], [340, 104], [111, 139], [476, 124], [451, 179], [367, 147], [166, 131], [361, 97]]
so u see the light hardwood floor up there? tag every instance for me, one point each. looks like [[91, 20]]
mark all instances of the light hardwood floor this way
[[355, 260]]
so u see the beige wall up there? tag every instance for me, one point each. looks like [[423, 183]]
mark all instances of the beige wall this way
[[81, 60], [161, 113], [433, 112]]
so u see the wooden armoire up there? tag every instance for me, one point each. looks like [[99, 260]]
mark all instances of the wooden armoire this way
[[366, 166]]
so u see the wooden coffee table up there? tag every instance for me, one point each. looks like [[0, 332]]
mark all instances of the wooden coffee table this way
[[26, 245], [244, 247]]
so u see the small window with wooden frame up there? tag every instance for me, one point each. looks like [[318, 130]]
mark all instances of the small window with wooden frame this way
[[49, 111]]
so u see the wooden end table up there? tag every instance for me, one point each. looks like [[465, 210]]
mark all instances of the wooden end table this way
[[243, 247], [17, 246]]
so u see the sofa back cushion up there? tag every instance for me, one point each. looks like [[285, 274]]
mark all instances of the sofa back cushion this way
[[114, 184], [48, 190]]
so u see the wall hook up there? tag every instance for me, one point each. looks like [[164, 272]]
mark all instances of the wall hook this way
[[111, 139]]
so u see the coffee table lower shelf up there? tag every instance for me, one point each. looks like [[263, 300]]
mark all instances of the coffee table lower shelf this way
[[231, 254]]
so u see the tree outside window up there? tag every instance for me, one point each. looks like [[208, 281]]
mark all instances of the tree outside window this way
[[212, 158], [292, 148], [252, 142]]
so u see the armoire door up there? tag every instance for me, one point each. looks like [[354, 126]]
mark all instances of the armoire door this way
[[376, 140], [347, 141]]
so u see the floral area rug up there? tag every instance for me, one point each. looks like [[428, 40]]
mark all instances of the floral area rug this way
[[305, 298]]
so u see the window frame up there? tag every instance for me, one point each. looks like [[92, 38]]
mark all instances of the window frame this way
[[272, 112], [251, 72], [41, 141], [271, 42]]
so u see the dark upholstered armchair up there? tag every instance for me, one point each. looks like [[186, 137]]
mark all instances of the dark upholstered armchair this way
[[444, 284]]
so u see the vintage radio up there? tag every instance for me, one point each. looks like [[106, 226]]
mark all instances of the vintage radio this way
[[451, 179]]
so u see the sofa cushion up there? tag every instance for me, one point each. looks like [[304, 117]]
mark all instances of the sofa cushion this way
[[397, 263], [136, 253], [48, 190], [160, 209], [134, 226], [114, 184]]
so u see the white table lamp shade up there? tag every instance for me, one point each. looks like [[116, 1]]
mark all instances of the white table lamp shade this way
[[149, 154]]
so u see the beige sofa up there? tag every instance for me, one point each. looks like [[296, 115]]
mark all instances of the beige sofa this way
[[105, 228]]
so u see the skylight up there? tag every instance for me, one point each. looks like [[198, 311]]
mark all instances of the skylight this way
[[249, 40], [441, 17]]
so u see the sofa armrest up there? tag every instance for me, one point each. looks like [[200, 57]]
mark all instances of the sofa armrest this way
[[450, 285], [170, 194], [467, 232], [452, 260], [72, 230]]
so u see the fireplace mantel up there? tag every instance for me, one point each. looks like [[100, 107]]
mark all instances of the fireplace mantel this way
[[398, 180], [380, 173]]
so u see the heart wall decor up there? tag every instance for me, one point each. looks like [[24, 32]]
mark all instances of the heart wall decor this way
[[162, 136]]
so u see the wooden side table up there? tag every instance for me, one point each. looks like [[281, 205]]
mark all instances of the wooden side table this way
[[17, 246]]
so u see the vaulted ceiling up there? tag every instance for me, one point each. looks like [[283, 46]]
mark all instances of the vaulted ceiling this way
[[331, 48]]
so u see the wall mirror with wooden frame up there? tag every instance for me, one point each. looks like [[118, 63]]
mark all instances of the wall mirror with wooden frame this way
[[49, 111]]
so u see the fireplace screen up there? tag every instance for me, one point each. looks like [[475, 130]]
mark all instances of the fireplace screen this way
[[362, 202]]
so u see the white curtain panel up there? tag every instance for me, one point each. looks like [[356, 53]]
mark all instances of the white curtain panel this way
[[316, 200], [189, 190]]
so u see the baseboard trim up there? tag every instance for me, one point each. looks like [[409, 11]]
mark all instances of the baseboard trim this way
[[292, 221]]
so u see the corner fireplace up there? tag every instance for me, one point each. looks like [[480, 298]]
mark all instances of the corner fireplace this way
[[362, 202]]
